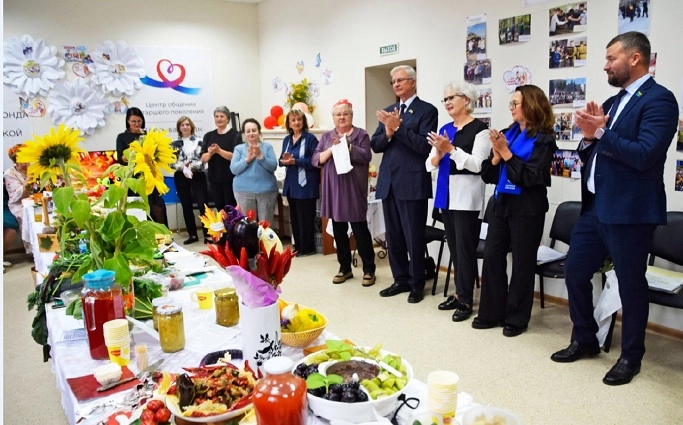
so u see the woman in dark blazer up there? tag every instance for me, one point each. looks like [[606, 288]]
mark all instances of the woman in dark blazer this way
[[302, 181], [519, 166]]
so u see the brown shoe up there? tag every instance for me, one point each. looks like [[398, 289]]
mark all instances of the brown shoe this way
[[342, 277], [368, 279]]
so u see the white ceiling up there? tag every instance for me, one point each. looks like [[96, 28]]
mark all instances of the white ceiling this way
[[245, 1]]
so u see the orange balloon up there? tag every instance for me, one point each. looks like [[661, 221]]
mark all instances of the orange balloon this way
[[269, 122], [276, 111], [281, 121]]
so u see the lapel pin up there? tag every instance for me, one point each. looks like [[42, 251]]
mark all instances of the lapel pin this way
[[410, 110], [638, 93]]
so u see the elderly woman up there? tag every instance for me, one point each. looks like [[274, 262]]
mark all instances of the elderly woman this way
[[217, 149], [458, 150], [135, 128], [345, 195], [16, 184], [189, 178], [302, 181], [519, 166], [254, 164]]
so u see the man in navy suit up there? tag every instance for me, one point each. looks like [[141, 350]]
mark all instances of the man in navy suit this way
[[624, 149], [403, 184]]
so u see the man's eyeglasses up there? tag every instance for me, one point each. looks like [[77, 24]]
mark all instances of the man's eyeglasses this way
[[513, 104], [451, 98], [399, 80]]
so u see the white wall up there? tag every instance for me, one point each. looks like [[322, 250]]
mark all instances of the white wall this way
[[229, 30], [348, 36]]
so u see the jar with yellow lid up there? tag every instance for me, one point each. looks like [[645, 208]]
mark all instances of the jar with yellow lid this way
[[156, 303], [171, 328], [227, 307]]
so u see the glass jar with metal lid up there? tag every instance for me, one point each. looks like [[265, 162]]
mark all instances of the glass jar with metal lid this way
[[227, 307], [171, 328], [156, 303]]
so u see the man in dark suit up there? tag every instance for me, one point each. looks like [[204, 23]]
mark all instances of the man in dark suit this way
[[624, 149], [403, 184]]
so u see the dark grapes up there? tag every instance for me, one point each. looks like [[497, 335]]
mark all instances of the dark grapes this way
[[336, 388], [348, 397], [361, 396]]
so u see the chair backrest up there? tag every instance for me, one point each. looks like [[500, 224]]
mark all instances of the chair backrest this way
[[667, 241], [437, 215], [566, 216]]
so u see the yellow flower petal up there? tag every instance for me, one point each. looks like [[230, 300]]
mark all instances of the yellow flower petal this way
[[210, 218], [47, 154], [152, 155]]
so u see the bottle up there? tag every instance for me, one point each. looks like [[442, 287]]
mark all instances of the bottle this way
[[171, 328], [280, 397], [102, 301], [156, 303], [227, 307]]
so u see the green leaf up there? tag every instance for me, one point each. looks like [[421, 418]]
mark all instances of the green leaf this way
[[137, 185], [119, 265], [113, 226], [62, 198], [81, 211], [315, 380], [113, 195], [334, 379]]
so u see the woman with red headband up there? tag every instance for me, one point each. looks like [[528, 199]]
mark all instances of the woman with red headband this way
[[345, 190]]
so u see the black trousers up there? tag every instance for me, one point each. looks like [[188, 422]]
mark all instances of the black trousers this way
[[187, 190], [363, 243], [499, 303], [222, 194], [628, 245], [302, 216], [405, 223], [462, 235]]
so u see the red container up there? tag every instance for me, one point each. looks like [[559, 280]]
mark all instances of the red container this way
[[102, 302], [280, 397]]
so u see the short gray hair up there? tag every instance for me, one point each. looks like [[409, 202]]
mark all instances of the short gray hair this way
[[223, 110], [466, 89], [339, 105], [408, 69]]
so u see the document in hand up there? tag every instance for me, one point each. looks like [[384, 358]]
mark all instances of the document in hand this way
[[341, 156], [546, 255], [664, 280]]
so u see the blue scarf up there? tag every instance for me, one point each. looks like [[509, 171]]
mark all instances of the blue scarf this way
[[443, 175], [521, 145]]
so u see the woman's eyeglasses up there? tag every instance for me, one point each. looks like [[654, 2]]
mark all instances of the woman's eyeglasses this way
[[513, 104], [451, 98]]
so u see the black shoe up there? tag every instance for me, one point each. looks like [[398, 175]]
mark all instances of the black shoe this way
[[192, 239], [512, 330], [395, 289], [450, 304], [478, 323], [574, 352], [621, 373], [462, 312], [305, 254], [416, 295]]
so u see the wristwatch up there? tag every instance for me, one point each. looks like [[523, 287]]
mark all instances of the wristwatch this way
[[599, 132]]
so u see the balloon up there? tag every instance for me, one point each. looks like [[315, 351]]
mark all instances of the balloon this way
[[309, 120], [281, 121], [276, 111], [269, 122], [301, 106]]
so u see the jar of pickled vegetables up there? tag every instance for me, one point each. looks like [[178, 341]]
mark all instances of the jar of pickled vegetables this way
[[156, 303], [171, 328], [227, 308]]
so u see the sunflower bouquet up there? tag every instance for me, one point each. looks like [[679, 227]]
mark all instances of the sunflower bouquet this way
[[115, 239]]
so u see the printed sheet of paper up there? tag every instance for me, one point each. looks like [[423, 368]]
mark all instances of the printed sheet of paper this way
[[341, 156]]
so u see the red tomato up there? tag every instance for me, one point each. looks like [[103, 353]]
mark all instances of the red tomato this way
[[149, 422], [147, 415], [155, 405], [162, 415]]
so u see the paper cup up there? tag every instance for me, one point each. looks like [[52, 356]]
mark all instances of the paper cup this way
[[119, 352], [442, 393], [204, 298], [260, 331]]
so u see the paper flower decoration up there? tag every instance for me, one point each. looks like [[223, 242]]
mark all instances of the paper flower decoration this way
[[116, 68], [30, 66], [77, 105]]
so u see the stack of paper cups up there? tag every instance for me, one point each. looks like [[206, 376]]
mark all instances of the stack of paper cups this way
[[442, 394], [117, 340]]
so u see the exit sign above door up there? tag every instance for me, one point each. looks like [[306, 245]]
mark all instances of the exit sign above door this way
[[390, 49]]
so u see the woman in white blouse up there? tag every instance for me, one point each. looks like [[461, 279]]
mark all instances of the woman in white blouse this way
[[458, 150]]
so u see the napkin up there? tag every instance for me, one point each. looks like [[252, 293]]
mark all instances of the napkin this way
[[252, 291], [85, 387]]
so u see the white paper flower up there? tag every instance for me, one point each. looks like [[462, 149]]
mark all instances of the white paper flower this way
[[77, 105], [116, 68], [30, 67]]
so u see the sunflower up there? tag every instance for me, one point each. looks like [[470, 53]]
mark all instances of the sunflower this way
[[153, 153], [213, 223], [52, 155]]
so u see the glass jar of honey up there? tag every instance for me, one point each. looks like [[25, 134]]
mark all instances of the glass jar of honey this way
[[156, 303], [227, 307], [171, 328]]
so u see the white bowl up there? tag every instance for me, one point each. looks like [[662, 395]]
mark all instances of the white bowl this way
[[357, 412], [489, 413]]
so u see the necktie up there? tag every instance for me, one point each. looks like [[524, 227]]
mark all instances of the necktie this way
[[615, 107], [403, 110], [302, 171]]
